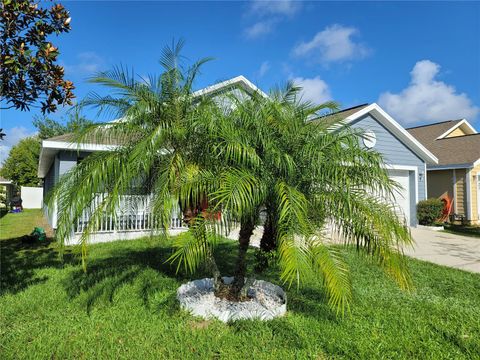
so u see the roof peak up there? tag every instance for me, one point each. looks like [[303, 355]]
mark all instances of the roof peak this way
[[350, 108]]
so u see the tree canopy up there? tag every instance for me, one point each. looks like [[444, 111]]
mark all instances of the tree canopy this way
[[48, 127], [29, 73], [22, 163]]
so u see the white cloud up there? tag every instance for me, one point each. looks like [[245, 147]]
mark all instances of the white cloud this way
[[334, 44], [314, 89], [427, 99], [278, 7], [13, 136], [260, 29], [268, 15], [264, 67], [88, 63]]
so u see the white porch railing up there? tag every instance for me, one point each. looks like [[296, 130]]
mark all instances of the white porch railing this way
[[134, 214]]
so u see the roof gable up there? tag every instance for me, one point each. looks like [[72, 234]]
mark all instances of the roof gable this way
[[432, 131], [352, 114], [236, 82], [454, 142], [462, 127]]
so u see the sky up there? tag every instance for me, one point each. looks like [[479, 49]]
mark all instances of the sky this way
[[420, 61]]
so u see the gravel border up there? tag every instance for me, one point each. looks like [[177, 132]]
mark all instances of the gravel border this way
[[268, 301]]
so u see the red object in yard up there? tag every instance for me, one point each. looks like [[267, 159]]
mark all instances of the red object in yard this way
[[190, 213], [212, 215], [447, 207]]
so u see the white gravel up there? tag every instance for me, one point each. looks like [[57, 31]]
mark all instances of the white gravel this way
[[268, 301]]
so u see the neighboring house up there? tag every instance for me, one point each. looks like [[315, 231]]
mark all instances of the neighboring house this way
[[7, 189], [456, 144], [405, 157]]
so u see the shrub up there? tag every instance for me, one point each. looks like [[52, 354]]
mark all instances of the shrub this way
[[429, 210]]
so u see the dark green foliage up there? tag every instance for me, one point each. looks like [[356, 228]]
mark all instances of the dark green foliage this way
[[3, 196], [264, 259], [29, 72], [22, 163], [429, 210], [48, 128]]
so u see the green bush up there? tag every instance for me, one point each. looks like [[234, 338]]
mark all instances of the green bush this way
[[429, 210]]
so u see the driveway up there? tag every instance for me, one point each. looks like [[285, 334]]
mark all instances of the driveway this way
[[438, 247], [443, 248]]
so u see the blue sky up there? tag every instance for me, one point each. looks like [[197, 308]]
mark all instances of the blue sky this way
[[419, 61]]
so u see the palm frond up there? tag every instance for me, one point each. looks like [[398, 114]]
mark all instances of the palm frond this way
[[195, 247], [240, 192], [335, 274]]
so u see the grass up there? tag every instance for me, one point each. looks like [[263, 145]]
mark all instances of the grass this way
[[15, 225], [124, 307], [473, 231]]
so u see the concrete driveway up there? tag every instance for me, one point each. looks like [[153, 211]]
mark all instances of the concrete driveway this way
[[438, 247], [443, 248]]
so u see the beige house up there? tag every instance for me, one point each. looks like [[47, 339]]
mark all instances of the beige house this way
[[456, 144]]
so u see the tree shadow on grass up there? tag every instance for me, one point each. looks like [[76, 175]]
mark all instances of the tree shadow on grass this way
[[19, 261], [155, 281], [312, 302], [122, 266]]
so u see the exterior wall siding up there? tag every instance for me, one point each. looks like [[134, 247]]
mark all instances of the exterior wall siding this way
[[49, 181], [440, 183], [460, 189], [48, 184], [396, 152], [474, 185], [68, 159], [63, 162]]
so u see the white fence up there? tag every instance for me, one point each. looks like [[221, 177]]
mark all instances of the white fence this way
[[32, 197], [132, 219]]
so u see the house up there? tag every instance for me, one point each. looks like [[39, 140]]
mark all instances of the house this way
[[6, 187], [406, 159], [456, 144]]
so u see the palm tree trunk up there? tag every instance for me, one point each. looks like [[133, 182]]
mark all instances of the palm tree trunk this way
[[217, 279], [246, 231], [268, 241]]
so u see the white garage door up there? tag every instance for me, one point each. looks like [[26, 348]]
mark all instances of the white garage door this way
[[402, 197]]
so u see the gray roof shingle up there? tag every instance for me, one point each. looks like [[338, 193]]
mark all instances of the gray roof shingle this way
[[449, 151]]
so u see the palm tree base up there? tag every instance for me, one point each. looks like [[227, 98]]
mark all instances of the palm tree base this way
[[263, 300], [231, 292]]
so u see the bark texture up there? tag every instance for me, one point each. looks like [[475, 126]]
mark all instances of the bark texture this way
[[268, 242], [246, 231]]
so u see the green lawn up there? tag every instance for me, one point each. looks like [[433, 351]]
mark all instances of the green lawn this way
[[125, 307], [19, 224]]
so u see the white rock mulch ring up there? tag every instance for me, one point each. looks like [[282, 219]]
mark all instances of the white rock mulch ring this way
[[267, 301]]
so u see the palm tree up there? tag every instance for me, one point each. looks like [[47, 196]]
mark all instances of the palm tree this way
[[272, 157], [255, 154], [151, 145]]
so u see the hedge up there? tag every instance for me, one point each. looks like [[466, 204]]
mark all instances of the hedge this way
[[429, 210]]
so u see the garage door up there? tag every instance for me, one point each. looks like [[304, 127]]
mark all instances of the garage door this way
[[402, 196]]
